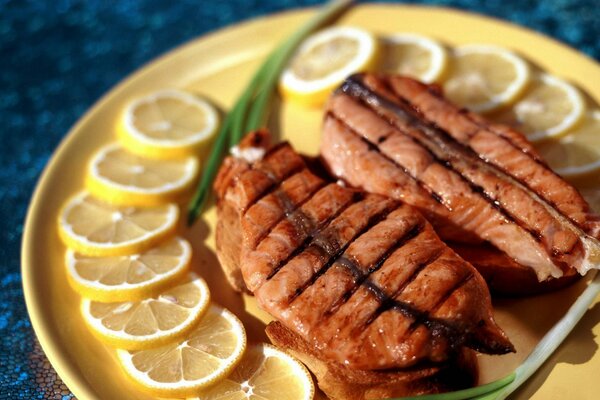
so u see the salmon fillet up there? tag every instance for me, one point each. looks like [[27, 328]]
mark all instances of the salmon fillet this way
[[521, 215], [362, 278]]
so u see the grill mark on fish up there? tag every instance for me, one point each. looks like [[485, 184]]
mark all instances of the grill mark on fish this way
[[423, 127], [275, 182], [364, 232], [467, 115], [361, 278], [332, 258], [288, 207], [435, 326], [388, 302], [527, 151], [303, 222], [373, 147], [474, 188], [457, 285]]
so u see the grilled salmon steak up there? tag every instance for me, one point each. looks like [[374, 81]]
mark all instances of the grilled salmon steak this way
[[475, 181], [361, 277]]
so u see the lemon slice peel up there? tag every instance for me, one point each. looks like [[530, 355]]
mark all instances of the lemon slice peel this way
[[125, 340]]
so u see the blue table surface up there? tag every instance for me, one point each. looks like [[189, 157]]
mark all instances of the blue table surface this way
[[58, 57]]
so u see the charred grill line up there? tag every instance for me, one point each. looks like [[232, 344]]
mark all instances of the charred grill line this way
[[288, 208], [388, 302], [446, 163], [333, 258], [442, 139], [373, 147], [443, 299], [488, 128], [274, 184], [301, 220], [436, 326], [474, 188], [361, 278], [499, 170]]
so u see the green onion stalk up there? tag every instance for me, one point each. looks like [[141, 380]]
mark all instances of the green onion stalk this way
[[251, 109]]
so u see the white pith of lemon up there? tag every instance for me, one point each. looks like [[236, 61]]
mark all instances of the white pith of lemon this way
[[168, 124], [130, 277], [324, 60], [549, 108], [121, 177], [484, 78], [414, 55], [578, 151], [93, 227], [150, 322], [264, 373], [206, 355]]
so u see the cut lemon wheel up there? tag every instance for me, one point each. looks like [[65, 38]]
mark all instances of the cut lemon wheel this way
[[415, 56], [549, 108], [577, 153], [207, 354], [168, 124], [264, 373], [324, 60], [151, 322], [121, 177], [485, 78], [126, 278], [93, 227]]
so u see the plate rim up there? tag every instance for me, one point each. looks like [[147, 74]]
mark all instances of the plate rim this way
[[64, 368]]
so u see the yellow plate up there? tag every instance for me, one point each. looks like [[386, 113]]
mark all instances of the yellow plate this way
[[218, 66]]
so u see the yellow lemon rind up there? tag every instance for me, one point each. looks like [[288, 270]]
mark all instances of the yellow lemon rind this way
[[188, 388], [579, 171], [439, 54], [127, 292], [571, 120], [139, 143], [83, 246], [131, 342], [313, 93], [514, 89], [299, 371], [124, 195]]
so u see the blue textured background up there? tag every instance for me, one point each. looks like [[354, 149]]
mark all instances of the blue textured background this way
[[58, 57]]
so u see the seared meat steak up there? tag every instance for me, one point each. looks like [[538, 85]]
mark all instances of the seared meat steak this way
[[361, 277], [474, 181]]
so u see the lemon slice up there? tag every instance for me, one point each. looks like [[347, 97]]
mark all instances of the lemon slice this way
[[168, 124], [151, 322], [415, 56], [127, 278], [577, 153], [264, 373], [548, 108], [484, 78], [207, 354], [93, 227], [121, 177], [324, 60]]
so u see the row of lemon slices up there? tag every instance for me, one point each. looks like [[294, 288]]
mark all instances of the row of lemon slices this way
[[488, 79], [133, 272]]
